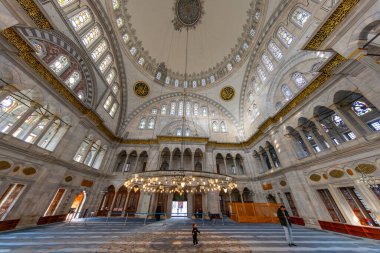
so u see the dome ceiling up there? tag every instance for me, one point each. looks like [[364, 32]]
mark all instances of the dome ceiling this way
[[219, 34]]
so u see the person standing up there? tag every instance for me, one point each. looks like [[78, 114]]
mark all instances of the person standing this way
[[283, 216], [195, 233]]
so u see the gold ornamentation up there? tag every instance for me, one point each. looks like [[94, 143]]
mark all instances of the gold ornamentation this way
[[227, 93], [4, 165], [15, 169], [350, 172], [141, 89], [365, 168], [267, 186], [337, 173], [87, 183], [315, 177], [325, 176], [68, 179], [283, 183], [332, 22], [35, 14], [29, 171]]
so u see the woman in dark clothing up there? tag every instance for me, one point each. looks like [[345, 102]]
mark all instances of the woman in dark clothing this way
[[195, 234], [283, 216]]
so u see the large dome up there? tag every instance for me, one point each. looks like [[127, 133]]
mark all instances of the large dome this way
[[218, 35]]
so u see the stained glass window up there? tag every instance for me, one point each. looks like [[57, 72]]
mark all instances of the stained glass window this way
[[179, 132], [111, 76], [267, 62], [250, 96], [223, 127], [119, 22], [125, 37], [73, 79], [188, 108], [194, 84], [81, 19], [203, 82], [187, 132], [229, 66], [172, 108], [158, 75], [115, 4], [141, 61], [300, 16], [163, 109], [278, 105], [285, 36], [115, 88], [142, 123], [167, 80], [154, 111], [261, 73], [180, 108], [60, 64], [176, 83], [151, 123], [275, 50], [90, 37], [245, 46], [105, 63], [215, 127], [64, 3], [108, 103], [212, 79], [338, 121], [7, 103], [257, 14], [252, 32], [113, 109], [204, 111], [360, 108], [196, 108], [286, 91], [185, 84], [237, 58], [39, 49], [99, 50], [299, 79]]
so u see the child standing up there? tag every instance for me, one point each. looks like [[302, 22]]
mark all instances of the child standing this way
[[195, 234]]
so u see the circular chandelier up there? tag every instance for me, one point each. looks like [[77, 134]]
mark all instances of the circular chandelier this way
[[172, 183]]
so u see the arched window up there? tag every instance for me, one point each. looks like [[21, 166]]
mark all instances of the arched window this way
[[300, 16], [64, 3], [167, 80], [111, 76], [275, 50], [360, 108], [154, 111], [163, 109], [91, 36], [223, 127], [204, 111], [108, 103], [60, 64], [179, 132], [261, 73], [105, 63], [133, 50], [158, 75], [176, 83], [172, 108], [119, 22], [195, 108], [141, 61], [285, 36], [187, 132], [73, 79], [180, 108], [142, 123], [188, 108], [299, 79], [286, 91], [81, 19], [125, 37], [90, 153], [278, 105], [215, 127], [99, 50], [338, 121], [115, 88], [195, 84], [115, 4], [267, 62], [151, 123], [114, 108], [251, 96]]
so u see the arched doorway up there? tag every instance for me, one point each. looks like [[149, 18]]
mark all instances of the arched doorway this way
[[179, 205], [106, 202], [77, 205], [197, 205], [133, 200], [223, 202], [120, 199]]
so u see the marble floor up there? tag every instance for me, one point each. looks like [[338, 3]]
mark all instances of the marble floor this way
[[174, 235]]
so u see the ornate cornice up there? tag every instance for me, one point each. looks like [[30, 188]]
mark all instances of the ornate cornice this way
[[332, 22]]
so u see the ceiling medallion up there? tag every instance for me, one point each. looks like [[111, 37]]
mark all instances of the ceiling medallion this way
[[141, 89], [187, 14], [227, 93]]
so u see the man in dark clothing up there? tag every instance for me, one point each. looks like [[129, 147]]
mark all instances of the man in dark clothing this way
[[195, 234], [283, 216]]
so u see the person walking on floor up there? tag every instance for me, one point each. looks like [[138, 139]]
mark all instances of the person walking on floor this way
[[283, 216], [195, 233]]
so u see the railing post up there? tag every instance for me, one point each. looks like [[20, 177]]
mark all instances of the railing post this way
[[222, 218], [146, 218], [126, 218], [203, 219]]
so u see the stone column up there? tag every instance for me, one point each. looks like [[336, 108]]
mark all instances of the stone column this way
[[213, 205], [136, 163], [171, 160], [234, 161], [190, 207], [225, 165], [263, 163], [306, 141], [324, 134], [257, 164], [192, 161]]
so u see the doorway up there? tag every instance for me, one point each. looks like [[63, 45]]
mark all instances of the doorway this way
[[76, 206], [179, 209]]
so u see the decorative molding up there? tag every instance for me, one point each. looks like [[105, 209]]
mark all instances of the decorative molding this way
[[35, 13], [365, 168], [336, 173], [330, 25], [315, 177]]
